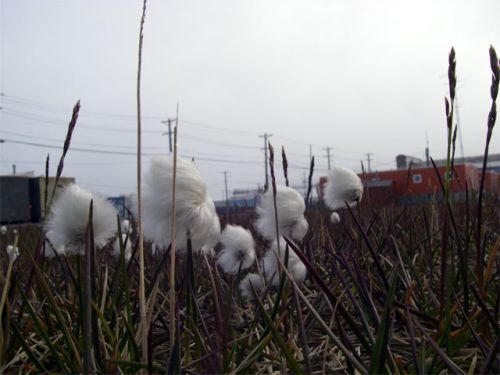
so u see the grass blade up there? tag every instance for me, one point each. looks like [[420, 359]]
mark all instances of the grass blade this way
[[277, 337], [381, 348]]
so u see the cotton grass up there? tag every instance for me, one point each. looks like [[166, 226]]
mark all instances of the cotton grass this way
[[50, 249], [127, 244], [125, 226], [67, 222], [335, 218], [238, 251], [249, 281], [270, 264], [12, 252], [195, 210], [290, 206], [343, 186]]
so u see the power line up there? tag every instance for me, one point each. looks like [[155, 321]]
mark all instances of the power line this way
[[60, 122], [85, 126], [125, 153], [38, 106], [130, 117], [42, 162], [151, 148]]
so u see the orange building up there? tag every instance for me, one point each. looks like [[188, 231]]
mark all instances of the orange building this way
[[420, 183]]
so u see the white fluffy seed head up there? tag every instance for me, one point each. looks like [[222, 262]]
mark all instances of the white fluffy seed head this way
[[153, 248], [3, 230], [194, 212], [335, 218], [50, 249], [69, 216], [343, 186], [270, 263], [12, 252], [290, 206], [128, 247], [238, 252], [125, 226], [251, 279]]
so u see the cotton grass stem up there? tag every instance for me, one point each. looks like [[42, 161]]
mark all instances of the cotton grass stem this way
[[10, 266], [273, 181], [142, 295], [495, 79], [87, 297], [173, 245]]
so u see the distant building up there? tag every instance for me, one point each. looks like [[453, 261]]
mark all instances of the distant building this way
[[404, 161], [241, 199], [123, 204], [22, 198], [493, 164], [418, 182]]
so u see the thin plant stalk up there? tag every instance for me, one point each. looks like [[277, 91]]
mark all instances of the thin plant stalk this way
[[142, 294], [87, 297], [173, 245], [495, 79], [46, 182], [325, 326], [285, 165], [273, 180], [67, 141], [4, 293], [309, 183], [449, 106]]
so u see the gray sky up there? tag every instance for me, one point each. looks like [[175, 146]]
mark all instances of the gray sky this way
[[358, 76]]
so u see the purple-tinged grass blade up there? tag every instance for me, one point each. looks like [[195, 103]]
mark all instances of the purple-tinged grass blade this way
[[333, 300], [87, 297], [381, 350], [446, 360], [370, 248]]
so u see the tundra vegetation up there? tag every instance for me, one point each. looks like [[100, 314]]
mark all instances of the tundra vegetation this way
[[291, 287]]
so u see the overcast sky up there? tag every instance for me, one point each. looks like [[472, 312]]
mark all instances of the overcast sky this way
[[357, 76]]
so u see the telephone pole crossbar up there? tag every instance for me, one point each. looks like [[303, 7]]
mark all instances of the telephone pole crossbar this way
[[169, 123], [369, 160]]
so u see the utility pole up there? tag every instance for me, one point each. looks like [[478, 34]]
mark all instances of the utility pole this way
[[427, 155], [369, 159], [460, 139], [225, 186], [328, 148], [226, 213], [169, 123], [266, 136]]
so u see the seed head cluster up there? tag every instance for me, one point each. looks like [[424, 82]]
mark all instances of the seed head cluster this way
[[67, 223], [278, 215], [290, 209], [343, 186], [194, 210]]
